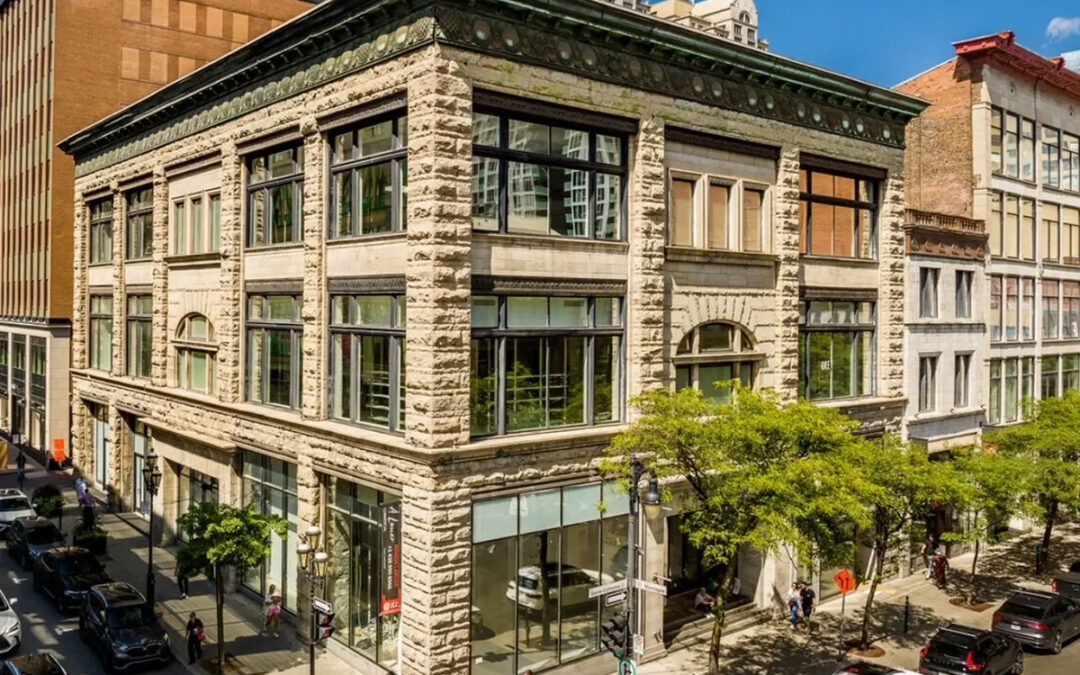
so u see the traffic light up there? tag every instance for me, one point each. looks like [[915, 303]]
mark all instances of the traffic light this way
[[613, 634], [324, 625]]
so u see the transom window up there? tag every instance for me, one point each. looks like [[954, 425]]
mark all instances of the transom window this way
[[196, 224], [101, 231], [836, 349], [837, 215], [710, 356], [370, 179], [275, 197], [545, 362], [274, 343], [139, 214], [196, 354], [101, 323], [541, 177], [717, 213], [368, 359], [140, 312]]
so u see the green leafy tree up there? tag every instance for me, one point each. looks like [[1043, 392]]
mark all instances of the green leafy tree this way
[[759, 471], [221, 536], [1050, 443], [995, 483], [894, 482]]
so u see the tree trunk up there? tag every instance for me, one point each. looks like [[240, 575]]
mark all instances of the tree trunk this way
[[973, 595], [881, 547], [219, 593], [719, 612], [1051, 517]]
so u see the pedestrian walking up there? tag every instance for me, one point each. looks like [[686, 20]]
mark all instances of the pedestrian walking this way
[[927, 551], [20, 469], [793, 600], [806, 597], [941, 569], [182, 580], [195, 637], [272, 602]]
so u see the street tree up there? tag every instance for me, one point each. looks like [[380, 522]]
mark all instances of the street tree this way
[[759, 473], [994, 485], [222, 536], [1050, 442], [895, 483]]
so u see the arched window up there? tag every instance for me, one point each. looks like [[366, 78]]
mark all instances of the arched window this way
[[744, 17], [196, 354], [713, 353]]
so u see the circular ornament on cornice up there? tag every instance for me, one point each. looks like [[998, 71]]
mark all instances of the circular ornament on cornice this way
[[815, 114], [800, 110], [482, 31], [845, 122], [698, 84], [717, 90], [656, 73], [751, 98], [635, 68], [511, 39], [566, 52], [401, 36], [860, 126], [381, 42], [770, 103], [886, 133], [588, 56]]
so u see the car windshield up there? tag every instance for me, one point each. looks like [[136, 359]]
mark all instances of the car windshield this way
[[1023, 611], [132, 616], [14, 504], [82, 564], [949, 651], [43, 535], [4, 606]]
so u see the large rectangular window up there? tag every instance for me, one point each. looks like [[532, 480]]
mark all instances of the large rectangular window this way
[[1051, 308], [101, 231], [140, 311], [836, 349], [270, 487], [1011, 143], [275, 194], [1070, 162], [1070, 372], [707, 212], [1027, 308], [139, 215], [1012, 308], [367, 334], [995, 308], [101, 322], [838, 215], [994, 413], [196, 224], [963, 293], [1027, 229], [1070, 235], [961, 377], [545, 362], [535, 557], [553, 178], [1027, 149], [1051, 147], [1050, 368], [996, 139], [1012, 226], [369, 178], [928, 291], [1012, 390], [274, 349], [1070, 309], [927, 383], [996, 224], [1051, 231]]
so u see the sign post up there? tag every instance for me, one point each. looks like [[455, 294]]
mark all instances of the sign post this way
[[846, 583]]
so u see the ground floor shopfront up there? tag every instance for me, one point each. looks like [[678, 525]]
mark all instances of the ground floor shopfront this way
[[34, 389]]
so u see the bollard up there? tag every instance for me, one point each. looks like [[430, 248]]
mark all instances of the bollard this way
[[1038, 559], [907, 613]]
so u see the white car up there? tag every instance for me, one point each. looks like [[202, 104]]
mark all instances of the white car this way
[[13, 504], [576, 583], [10, 627]]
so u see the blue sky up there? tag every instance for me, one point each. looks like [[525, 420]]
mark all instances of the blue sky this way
[[887, 43]]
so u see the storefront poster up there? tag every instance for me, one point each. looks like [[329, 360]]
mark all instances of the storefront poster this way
[[390, 550]]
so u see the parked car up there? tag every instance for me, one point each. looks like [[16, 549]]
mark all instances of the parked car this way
[[962, 650], [42, 663], [1075, 567], [1038, 619], [867, 668], [576, 583], [66, 573], [28, 537], [1067, 584], [118, 623], [10, 627], [13, 504]]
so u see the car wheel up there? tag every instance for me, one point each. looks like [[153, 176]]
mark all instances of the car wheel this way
[[1018, 664], [1055, 646]]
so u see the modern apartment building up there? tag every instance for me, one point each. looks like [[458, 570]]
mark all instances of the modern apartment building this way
[[64, 65], [405, 264], [1001, 142]]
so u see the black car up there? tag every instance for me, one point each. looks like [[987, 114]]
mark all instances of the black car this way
[[118, 623], [65, 574], [28, 537], [1067, 584], [1038, 619], [33, 664], [961, 650]]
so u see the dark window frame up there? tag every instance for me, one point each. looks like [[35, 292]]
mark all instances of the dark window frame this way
[[264, 187], [135, 322], [100, 219], [855, 328], [138, 245], [260, 327], [873, 206], [95, 320], [397, 156]]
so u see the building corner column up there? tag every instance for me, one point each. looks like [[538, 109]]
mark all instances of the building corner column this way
[[313, 367], [159, 330], [891, 294], [230, 323], [785, 362], [80, 281], [119, 237]]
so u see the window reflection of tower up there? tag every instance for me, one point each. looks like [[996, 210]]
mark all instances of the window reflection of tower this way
[[486, 174], [528, 183], [576, 185]]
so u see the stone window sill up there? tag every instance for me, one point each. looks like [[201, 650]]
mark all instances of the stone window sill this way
[[549, 241], [274, 248], [366, 238], [703, 255], [862, 263], [952, 413], [194, 260]]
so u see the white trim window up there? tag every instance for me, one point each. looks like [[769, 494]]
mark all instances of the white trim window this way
[[719, 213], [961, 381], [928, 383], [196, 224], [928, 292]]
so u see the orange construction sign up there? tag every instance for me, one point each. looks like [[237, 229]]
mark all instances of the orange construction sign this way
[[59, 454], [844, 581]]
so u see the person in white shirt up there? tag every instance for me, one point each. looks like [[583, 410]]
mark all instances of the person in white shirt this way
[[703, 601]]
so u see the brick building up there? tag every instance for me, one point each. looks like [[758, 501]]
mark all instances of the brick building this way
[[395, 278], [64, 65], [1001, 142]]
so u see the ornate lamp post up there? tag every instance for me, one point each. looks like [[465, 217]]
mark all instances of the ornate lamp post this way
[[651, 499], [151, 483], [313, 563]]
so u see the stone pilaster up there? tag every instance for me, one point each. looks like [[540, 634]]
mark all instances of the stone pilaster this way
[[891, 289], [79, 281], [159, 360], [82, 452], [438, 269], [313, 398], [119, 237], [645, 316], [116, 473], [229, 329], [436, 542], [786, 229]]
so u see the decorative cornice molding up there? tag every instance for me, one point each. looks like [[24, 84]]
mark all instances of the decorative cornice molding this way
[[483, 283], [386, 283]]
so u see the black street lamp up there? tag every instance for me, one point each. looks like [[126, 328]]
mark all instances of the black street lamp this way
[[313, 563], [151, 482]]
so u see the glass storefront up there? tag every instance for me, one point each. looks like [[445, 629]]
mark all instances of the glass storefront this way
[[356, 576], [102, 444], [194, 487], [535, 557], [270, 485]]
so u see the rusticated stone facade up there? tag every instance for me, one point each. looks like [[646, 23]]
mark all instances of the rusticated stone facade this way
[[435, 464]]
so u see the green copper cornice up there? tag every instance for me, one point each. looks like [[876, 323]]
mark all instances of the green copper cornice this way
[[591, 39]]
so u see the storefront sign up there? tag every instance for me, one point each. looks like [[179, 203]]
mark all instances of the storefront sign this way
[[390, 549]]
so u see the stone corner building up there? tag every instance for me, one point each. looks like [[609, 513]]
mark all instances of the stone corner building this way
[[411, 259]]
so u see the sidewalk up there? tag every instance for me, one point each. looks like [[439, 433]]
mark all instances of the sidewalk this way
[[774, 649]]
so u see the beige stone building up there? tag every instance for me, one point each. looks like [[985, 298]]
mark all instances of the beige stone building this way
[[410, 261]]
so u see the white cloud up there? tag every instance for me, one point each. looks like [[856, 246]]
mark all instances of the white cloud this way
[[1061, 27]]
